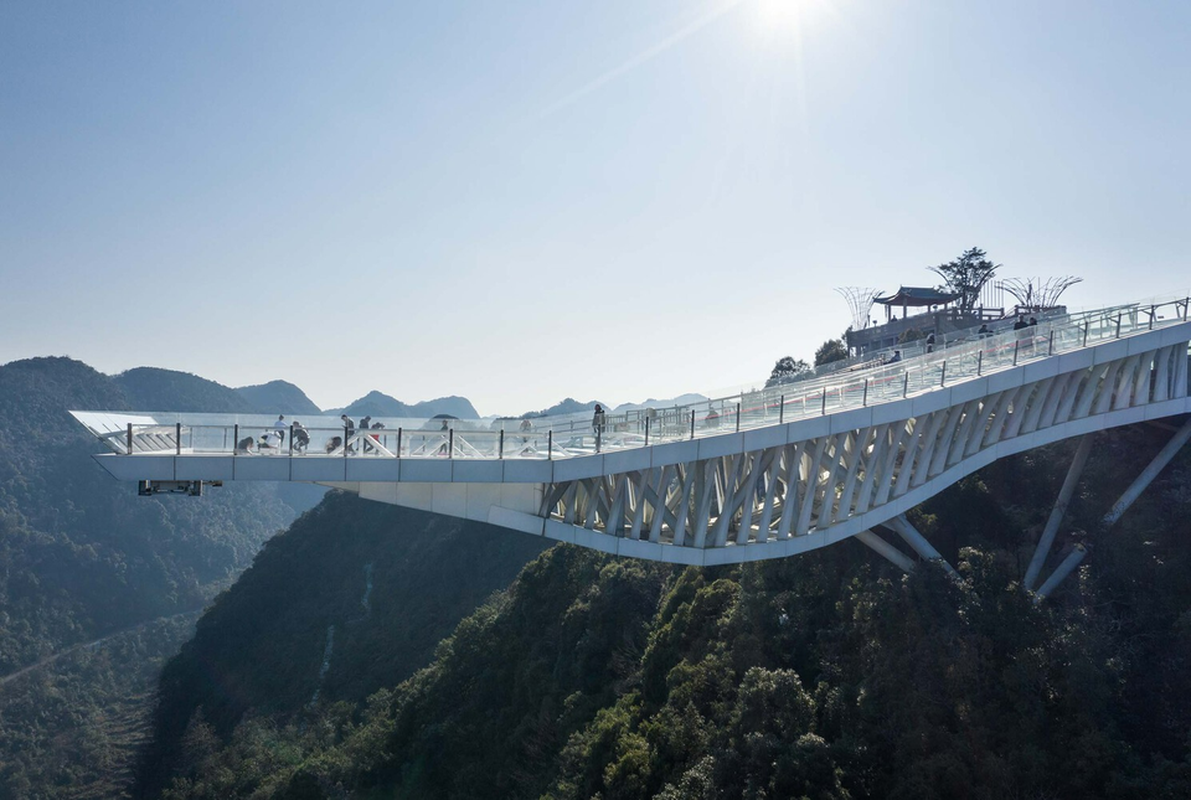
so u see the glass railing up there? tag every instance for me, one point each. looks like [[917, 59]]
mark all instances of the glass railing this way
[[564, 436]]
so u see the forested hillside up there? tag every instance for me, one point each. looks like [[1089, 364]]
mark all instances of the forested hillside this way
[[828, 675], [83, 558], [354, 597]]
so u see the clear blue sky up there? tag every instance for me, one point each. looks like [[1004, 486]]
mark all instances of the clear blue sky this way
[[522, 201]]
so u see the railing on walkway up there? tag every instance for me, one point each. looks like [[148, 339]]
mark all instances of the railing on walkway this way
[[576, 435]]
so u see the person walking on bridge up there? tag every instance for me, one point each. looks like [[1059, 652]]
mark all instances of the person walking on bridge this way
[[597, 424]]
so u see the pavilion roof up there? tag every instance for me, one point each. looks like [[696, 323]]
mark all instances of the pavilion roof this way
[[916, 296]]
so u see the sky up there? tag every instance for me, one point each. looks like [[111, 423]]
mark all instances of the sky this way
[[519, 202]]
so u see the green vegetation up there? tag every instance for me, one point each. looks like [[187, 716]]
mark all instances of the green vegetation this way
[[831, 350], [829, 675], [83, 558], [966, 276], [786, 370]]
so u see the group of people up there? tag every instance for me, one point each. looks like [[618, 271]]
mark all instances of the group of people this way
[[349, 430], [273, 439]]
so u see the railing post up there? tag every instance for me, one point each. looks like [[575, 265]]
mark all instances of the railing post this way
[[399, 442], [235, 437], [781, 410], [647, 431], [979, 361], [550, 445], [823, 408], [692, 423], [864, 399], [451, 443], [738, 417], [1086, 326], [906, 385], [500, 450], [1050, 349], [291, 439], [943, 374], [1118, 336], [1016, 345], [1153, 313], [345, 438], [129, 440], [177, 438]]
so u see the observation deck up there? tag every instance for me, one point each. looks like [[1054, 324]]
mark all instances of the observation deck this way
[[764, 473]]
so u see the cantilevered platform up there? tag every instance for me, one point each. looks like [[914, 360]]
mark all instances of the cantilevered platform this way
[[762, 474]]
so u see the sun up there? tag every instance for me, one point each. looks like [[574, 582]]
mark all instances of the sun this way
[[781, 19]]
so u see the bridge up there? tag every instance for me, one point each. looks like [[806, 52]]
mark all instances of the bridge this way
[[764, 473]]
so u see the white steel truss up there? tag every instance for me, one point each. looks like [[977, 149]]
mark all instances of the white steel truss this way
[[844, 482]]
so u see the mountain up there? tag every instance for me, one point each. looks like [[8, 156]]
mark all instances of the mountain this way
[[827, 675], [458, 407], [379, 404], [355, 596], [568, 406], [278, 397], [85, 561], [153, 389], [682, 400]]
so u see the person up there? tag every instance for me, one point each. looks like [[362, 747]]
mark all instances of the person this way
[[349, 430], [1021, 322], [334, 443], [525, 427], [1033, 321], [300, 439], [366, 424], [930, 342], [244, 445], [279, 428], [896, 357], [984, 331], [712, 419], [597, 421]]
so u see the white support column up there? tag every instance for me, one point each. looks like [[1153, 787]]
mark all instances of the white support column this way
[[1148, 474], [1064, 569], [902, 527], [883, 547], [813, 476], [1056, 514]]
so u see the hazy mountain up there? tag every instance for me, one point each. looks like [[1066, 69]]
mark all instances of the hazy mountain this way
[[153, 389], [379, 404], [568, 406], [458, 407], [280, 397], [682, 400]]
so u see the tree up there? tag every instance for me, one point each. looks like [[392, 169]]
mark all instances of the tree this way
[[966, 276], [831, 350], [786, 370]]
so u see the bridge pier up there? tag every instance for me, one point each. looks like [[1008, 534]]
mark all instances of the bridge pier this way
[[902, 527], [897, 557], [1148, 474], [1056, 514], [1064, 569]]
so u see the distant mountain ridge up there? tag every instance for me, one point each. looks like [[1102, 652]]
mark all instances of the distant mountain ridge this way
[[155, 389], [278, 396], [379, 404]]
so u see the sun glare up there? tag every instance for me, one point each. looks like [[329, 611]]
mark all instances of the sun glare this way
[[782, 19]]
